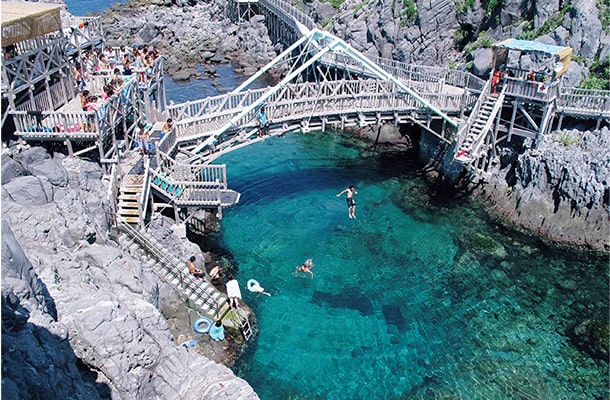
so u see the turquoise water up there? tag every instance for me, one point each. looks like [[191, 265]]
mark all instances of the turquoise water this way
[[419, 297]]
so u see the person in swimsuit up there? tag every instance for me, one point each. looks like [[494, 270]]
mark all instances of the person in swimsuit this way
[[196, 272], [351, 203], [305, 267]]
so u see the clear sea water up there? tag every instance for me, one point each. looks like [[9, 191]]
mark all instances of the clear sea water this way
[[83, 7], [421, 297]]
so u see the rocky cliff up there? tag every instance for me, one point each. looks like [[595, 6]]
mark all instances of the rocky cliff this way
[[560, 190], [448, 32], [80, 316]]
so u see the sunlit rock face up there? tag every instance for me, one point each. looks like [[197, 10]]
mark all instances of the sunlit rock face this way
[[79, 314]]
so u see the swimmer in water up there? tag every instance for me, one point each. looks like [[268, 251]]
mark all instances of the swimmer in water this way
[[305, 267]]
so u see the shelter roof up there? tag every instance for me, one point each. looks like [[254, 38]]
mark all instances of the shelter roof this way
[[531, 46], [22, 21]]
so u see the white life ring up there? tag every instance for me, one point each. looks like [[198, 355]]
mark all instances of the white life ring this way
[[202, 325], [252, 285]]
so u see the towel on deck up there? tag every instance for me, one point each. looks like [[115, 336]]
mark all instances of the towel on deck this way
[[233, 289]]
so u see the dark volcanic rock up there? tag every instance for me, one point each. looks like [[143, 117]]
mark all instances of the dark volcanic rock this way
[[561, 189]]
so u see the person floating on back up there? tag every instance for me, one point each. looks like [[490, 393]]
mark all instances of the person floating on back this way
[[255, 287], [305, 267], [351, 203]]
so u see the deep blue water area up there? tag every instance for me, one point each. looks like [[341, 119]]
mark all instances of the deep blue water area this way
[[421, 296], [83, 7]]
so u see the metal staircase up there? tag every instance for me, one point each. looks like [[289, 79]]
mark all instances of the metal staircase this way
[[472, 135], [240, 319], [202, 295]]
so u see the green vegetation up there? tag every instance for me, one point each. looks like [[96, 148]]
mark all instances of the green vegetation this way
[[599, 76], [452, 64], [335, 3], [409, 12], [490, 6], [604, 14], [550, 25], [460, 35], [482, 41], [359, 7], [327, 23], [565, 139], [464, 5]]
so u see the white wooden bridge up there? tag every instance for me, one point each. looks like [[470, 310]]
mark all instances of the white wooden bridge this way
[[326, 83]]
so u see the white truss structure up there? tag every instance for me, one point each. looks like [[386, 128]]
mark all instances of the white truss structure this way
[[306, 55]]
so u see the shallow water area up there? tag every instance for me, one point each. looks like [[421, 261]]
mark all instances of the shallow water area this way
[[420, 296]]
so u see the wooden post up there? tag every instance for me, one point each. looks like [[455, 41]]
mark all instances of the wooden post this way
[[512, 120], [177, 214], [69, 146]]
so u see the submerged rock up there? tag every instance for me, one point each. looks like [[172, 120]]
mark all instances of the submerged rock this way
[[593, 337]]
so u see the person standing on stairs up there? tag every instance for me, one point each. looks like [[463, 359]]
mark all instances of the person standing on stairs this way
[[144, 139]]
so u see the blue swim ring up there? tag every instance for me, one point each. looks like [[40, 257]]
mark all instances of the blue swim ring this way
[[252, 283], [202, 325]]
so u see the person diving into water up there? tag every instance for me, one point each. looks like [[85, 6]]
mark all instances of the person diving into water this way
[[351, 203]]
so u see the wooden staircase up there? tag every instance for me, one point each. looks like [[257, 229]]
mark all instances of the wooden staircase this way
[[128, 206], [200, 294], [479, 125]]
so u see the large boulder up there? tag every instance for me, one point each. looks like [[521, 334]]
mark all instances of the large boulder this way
[[558, 189], [11, 169]]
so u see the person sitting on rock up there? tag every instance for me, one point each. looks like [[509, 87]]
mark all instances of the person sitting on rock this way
[[217, 331], [196, 272]]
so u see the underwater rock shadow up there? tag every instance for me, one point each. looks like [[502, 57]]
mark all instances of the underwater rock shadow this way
[[393, 316], [347, 298]]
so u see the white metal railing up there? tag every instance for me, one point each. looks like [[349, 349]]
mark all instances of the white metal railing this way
[[185, 280], [285, 9], [586, 101], [543, 91], [464, 129], [189, 192], [76, 124], [297, 101]]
